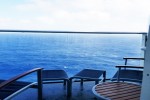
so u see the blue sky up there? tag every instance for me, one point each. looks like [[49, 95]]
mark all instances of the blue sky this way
[[76, 15]]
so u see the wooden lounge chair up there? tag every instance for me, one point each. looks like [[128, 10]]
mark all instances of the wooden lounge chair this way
[[10, 88], [49, 76], [129, 72], [89, 75]]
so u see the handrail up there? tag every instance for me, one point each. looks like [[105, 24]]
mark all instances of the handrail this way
[[134, 58], [80, 32], [129, 66], [5, 83]]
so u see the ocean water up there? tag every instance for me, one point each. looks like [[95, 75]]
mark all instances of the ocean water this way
[[20, 52]]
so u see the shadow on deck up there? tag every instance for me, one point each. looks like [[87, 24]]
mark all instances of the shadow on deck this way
[[56, 91]]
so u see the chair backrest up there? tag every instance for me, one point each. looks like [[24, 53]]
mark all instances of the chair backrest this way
[[132, 73], [17, 87]]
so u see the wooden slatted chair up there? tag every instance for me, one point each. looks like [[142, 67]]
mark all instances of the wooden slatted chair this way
[[89, 75], [10, 88], [49, 76], [129, 72]]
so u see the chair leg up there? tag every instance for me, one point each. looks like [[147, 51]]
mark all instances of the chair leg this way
[[65, 82], [69, 88], [81, 82], [96, 82], [104, 76], [40, 85]]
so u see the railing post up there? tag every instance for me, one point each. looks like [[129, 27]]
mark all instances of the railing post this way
[[118, 77], [40, 87]]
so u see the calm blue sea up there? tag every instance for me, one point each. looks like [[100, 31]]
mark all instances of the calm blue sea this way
[[20, 52]]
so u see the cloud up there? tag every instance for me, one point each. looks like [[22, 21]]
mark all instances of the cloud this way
[[4, 20], [81, 15]]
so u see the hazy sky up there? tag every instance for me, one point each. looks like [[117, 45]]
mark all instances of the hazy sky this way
[[75, 15]]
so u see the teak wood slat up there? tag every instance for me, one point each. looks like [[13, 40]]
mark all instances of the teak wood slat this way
[[118, 91]]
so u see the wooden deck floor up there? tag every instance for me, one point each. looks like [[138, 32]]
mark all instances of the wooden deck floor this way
[[56, 91]]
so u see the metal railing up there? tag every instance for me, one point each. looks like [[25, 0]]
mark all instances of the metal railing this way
[[144, 34], [80, 32]]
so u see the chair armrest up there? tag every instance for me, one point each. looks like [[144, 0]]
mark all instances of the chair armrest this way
[[134, 58], [5, 83], [129, 66]]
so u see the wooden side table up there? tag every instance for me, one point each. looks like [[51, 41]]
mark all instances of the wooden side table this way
[[117, 91]]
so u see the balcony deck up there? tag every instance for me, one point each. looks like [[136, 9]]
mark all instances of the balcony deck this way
[[56, 91]]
